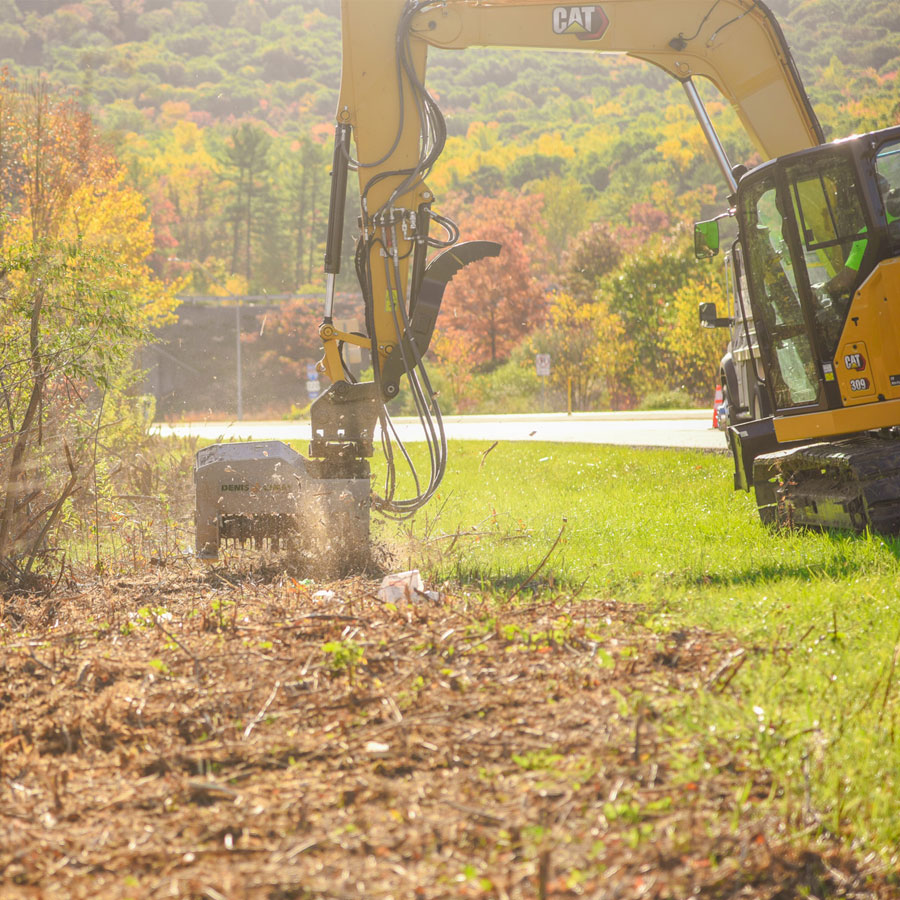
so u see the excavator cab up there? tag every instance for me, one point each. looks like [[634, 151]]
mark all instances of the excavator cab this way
[[820, 234]]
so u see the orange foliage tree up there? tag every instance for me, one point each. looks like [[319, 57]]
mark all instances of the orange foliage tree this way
[[288, 338], [451, 349], [495, 303]]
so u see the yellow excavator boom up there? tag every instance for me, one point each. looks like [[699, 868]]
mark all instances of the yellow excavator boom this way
[[735, 44]]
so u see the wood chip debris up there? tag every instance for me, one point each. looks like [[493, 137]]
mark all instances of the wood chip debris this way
[[278, 739]]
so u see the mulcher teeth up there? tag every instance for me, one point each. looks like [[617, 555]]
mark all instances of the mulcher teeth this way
[[265, 495]]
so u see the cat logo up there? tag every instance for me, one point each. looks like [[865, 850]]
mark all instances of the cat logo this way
[[587, 23]]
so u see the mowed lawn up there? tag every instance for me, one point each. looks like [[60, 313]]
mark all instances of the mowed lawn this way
[[812, 694]]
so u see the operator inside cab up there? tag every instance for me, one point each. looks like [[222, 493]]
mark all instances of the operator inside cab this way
[[846, 278]]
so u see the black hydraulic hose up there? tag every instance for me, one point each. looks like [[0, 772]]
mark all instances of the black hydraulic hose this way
[[449, 226], [429, 413], [432, 137], [400, 506], [417, 273]]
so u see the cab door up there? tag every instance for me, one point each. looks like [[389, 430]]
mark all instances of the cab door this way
[[776, 288]]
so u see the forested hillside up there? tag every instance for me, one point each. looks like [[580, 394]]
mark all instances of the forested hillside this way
[[222, 112]]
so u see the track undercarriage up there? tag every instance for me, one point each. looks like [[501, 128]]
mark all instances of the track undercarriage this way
[[851, 484]]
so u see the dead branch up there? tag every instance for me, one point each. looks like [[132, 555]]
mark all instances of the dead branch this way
[[543, 562]]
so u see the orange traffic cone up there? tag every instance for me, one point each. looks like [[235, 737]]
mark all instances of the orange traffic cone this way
[[716, 404]]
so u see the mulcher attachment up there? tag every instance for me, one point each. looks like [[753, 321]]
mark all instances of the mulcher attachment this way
[[265, 494], [850, 484]]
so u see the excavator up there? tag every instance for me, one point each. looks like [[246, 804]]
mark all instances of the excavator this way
[[800, 215], [819, 247]]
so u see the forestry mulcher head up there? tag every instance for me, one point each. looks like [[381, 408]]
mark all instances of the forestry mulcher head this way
[[265, 494]]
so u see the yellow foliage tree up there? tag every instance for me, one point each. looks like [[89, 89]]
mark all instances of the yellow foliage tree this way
[[588, 348], [111, 218], [695, 352], [74, 192], [683, 140], [76, 299], [182, 179]]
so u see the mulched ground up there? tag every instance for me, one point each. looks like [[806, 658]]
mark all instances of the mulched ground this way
[[196, 733]]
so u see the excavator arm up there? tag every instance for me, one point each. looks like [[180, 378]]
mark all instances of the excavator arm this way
[[390, 129]]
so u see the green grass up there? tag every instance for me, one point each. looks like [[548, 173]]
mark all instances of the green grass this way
[[816, 696]]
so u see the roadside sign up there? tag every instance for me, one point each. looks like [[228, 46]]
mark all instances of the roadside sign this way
[[312, 381], [542, 364]]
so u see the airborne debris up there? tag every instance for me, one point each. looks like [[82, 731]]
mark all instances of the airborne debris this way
[[377, 748]]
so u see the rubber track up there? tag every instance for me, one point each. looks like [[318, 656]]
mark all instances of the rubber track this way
[[851, 484]]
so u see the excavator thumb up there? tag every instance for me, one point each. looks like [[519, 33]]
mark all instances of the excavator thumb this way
[[427, 305]]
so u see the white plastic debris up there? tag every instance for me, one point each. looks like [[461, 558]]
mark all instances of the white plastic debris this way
[[401, 586], [323, 596]]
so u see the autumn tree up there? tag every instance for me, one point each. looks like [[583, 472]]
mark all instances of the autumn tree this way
[[566, 211], [641, 293], [601, 247], [626, 321], [493, 304], [695, 353], [306, 186], [245, 160], [589, 349], [594, 253], [287, 338], [180, 177], [452, 352], [75, 300]]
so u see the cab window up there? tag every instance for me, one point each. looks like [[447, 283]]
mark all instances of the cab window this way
[[833, 238], [887, 164]]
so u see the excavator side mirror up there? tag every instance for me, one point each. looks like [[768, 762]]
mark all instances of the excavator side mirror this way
[[706, 239]]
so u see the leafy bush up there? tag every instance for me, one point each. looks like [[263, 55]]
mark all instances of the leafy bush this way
[[678, 399], [513, 387]]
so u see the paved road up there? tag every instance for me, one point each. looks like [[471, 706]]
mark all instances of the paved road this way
[[671, 428]]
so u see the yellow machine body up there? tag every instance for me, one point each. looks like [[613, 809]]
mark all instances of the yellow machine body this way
[[866, 365]]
